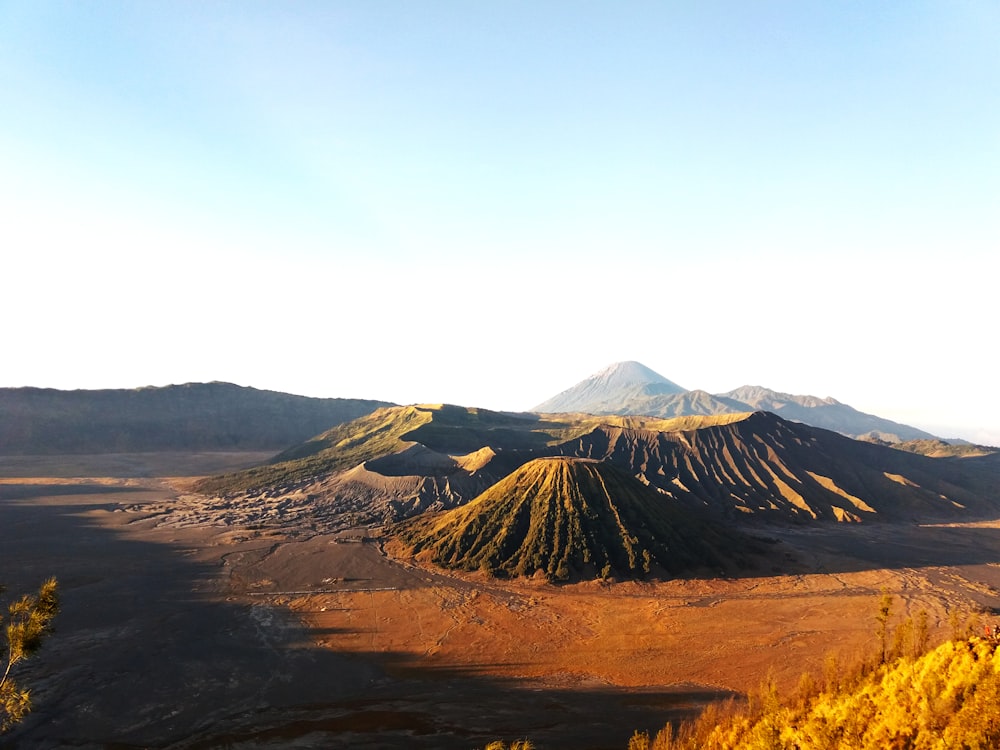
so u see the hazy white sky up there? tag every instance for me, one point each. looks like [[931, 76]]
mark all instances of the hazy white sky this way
[[483, 203]]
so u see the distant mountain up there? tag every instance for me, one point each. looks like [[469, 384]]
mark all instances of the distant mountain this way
[[195, 416], [567, 518], [632, 388], [827, 413], [602, 392]]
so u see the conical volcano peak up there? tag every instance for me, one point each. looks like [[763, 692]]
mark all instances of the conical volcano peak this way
[[604, 391], [631, 373], [570, 518]]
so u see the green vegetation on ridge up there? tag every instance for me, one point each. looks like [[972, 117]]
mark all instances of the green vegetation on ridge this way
[[440, 427], [338, 449]]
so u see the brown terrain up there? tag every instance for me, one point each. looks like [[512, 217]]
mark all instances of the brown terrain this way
[[193, 623]]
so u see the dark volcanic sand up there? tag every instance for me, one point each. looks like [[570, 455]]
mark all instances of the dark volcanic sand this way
[[154, 650], [177, 633]]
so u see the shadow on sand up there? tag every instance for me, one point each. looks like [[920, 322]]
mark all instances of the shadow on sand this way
[[148, 653], [843, 548]]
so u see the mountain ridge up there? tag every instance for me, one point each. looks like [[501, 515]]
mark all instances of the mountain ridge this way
[[191, 416], [619, 389]]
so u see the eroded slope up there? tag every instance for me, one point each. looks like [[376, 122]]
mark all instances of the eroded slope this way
[[764, 465], [568, 518]]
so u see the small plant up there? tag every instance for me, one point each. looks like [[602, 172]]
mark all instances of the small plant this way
[[29, 620], [882, 618]]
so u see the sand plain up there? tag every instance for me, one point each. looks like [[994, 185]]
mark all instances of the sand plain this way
[[183, 627]]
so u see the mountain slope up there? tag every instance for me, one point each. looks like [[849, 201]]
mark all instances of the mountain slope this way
[[572, 518], [422, 440], [938, 448], [827, 413], [763, 465], [669, 406], [195, 416], [603, 391], [632, 388], [401, 461]]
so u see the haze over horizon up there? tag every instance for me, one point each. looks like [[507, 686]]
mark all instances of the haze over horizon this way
[[485, 204]]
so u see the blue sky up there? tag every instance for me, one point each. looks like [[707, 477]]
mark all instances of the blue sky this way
[[483, 203]]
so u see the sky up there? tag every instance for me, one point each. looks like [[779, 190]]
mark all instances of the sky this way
[[484, 203]]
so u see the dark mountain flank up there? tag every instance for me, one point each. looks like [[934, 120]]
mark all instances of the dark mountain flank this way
[[195, 416], [762, 465], [631, 388], [570, 518]]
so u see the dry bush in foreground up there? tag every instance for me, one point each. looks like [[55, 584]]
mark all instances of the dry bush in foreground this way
[[945, 699], [906, 698], [29, 620]]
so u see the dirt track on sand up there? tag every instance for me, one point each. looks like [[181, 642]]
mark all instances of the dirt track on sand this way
[[222, 636]]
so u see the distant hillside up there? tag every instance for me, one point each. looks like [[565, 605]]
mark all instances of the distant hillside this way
[[940, 448], [827, 413], [195, 416], [632, 388], [572, 518]]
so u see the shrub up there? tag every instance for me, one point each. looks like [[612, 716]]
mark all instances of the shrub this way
[[29, 620]]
